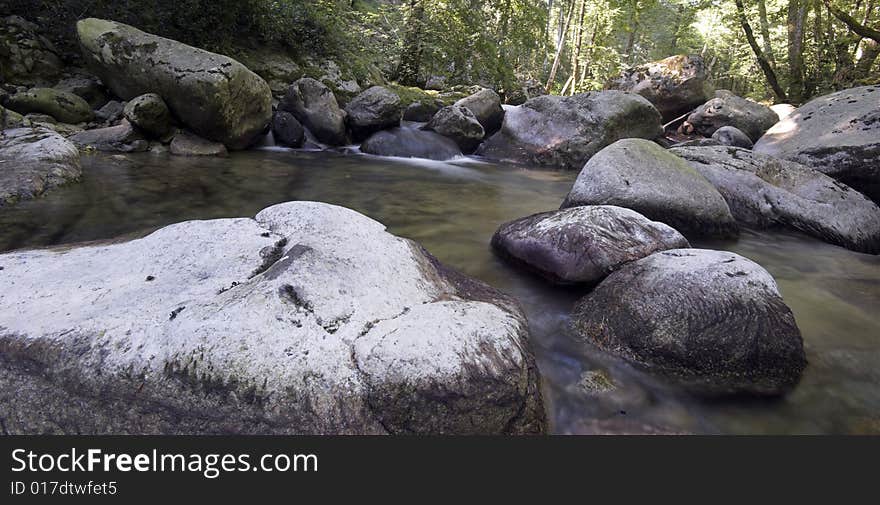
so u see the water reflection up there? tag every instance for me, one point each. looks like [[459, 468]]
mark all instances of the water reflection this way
[[453, 208]]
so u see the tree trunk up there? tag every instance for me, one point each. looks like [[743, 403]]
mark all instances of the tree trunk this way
[[870, 52], [633, 32], [578, 42], [411, 55], [765, 33], [861, 29], [769, 74], [797, 12], [556, 58]]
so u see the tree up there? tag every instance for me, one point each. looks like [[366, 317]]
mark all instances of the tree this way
[[769, 73]]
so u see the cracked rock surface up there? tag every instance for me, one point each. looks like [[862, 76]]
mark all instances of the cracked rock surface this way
[[34, 160], [215, 96], [309, 318]]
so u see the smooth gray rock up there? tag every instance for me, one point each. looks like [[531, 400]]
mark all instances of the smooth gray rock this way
[[215, 96], [120, 138], [642, 176], [411, 143], [837, 134], [287, 130], [564, 132], [763, 191], [486, 106], [61, 105], [732, 136], [674, 85], [582, 244], [375, 109], [712, 321], [309, 318], [150, 114], [783, 110], [314, 105], [187, 143], [111, 111], [727, 109], [459, 124], [33, 161]]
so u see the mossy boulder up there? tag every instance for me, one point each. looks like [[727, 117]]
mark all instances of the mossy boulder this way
[[214, 95], [149, 113], [61, 105]]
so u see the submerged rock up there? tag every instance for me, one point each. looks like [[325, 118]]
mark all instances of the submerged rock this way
[[486, 106], [640, 175], [375, 109], [459, 124], [314, 105], [732, 136], [837, 134], [215, 96], [189, 144], [411, 143], [582, 244], [564, 132], [727, 109], [763, 191], [309, 318], [121, 138], [61, 105], [150, 114], [711, 321], [32, 161], [287, 130], [675, 85]]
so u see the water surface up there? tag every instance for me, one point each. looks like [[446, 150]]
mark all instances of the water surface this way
[[453, 209]]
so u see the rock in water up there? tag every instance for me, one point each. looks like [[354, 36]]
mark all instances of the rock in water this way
[[287, 130], [837, 134], [61, 105], [188, 144], [712, 321], [640, 175], [486, 106], [732, 136], [310, 318], [314, 105], [564, 132], [149, 113], [214, 95], [727, 109], [459, 124], [763, 191], [375, 109], [411, 143], [675, 85], [582, 244], [32, 161], [121, 138]]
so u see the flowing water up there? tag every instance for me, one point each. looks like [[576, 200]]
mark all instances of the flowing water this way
[[453, 208]]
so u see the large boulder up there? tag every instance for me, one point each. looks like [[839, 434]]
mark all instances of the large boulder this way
[[411, 143], [375, 109], [582, 244], [837, 134], [727, 109], [26, 56], [61, 105], [675, 85], [150, 114], [32, 161], [763, 191], [459, 124], [122, 138], [314, 105], [287, 130], [214, 95], [564, 132], [711, 321], [309, 318], [640, 175], [486, 106]]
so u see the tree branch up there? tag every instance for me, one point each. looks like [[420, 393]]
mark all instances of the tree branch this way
[[852, 24]]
